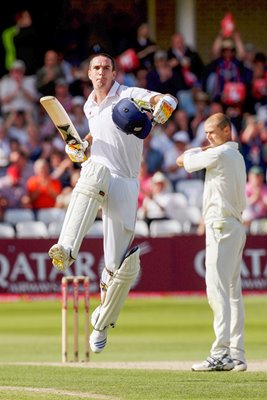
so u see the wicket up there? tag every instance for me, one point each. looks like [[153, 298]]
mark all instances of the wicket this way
[[75, 281]]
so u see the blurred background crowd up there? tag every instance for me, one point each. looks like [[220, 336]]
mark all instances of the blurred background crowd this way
[[35, 172]]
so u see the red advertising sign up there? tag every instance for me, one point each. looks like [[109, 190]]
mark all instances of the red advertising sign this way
[[168, 265]]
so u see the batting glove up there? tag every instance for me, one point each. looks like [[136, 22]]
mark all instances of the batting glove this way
[[76, 151], [164, 109]]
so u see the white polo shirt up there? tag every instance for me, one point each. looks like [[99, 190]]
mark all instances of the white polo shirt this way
[[225, 180], [111, 147]]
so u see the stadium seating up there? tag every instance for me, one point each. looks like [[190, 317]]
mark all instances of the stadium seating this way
[[48, 215], [192, 189], [31, 229], [7, 231], [141, 229], [15, 215], [258, 227], [160, 228]]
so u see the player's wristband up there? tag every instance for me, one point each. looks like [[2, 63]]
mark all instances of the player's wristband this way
[[172, 102]]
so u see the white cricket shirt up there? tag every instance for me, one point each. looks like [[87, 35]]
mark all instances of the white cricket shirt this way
[[225, 180], [111, 147]]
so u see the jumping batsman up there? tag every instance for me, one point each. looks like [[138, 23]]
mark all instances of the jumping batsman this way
[[109, 179], [223, 203]]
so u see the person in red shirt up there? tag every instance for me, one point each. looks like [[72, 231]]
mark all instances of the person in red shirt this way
[[42, 188]]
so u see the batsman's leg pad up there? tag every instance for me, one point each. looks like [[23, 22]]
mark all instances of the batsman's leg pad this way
[[117, 291], [88, 195]]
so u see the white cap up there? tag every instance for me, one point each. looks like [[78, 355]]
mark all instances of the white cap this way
[[181, 136], [158, 177], [18, 64], [78, 101]]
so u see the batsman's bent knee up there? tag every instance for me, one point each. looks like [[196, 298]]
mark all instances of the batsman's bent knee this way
[[88, 195]]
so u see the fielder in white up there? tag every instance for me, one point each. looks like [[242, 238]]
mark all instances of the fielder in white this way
[[223, 204], [109, 179]]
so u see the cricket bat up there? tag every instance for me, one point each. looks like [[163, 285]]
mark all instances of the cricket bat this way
[[62, 122]]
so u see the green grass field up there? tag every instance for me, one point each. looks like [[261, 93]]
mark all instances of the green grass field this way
[[153, 329]]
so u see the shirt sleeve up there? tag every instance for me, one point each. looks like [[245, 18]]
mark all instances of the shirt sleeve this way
[[142, 94], [196, 159]]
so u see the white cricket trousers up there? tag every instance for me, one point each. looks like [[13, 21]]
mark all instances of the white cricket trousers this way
[[119, 213], [225, 240]]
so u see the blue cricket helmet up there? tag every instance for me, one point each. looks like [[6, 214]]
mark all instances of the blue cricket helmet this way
[[127, 117]]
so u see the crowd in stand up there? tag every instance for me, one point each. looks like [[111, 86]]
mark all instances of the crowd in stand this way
[[34, 169]]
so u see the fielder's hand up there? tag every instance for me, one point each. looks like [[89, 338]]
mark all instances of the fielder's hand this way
[[76, 151], [164, 109]]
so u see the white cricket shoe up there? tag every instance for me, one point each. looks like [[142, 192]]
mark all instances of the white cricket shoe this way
[[98, 340], [239, 365], [224, 363], [61, 258]]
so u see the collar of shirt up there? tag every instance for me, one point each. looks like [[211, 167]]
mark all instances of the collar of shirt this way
[[113, 91]]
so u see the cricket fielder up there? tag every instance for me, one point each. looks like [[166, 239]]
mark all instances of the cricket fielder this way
[[109, 179], [223, 203]]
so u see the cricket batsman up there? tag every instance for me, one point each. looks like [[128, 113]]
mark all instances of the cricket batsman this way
[[109, 179]]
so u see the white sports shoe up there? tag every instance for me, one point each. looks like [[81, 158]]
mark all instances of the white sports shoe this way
[[98, 340], [239, 365], [224, 363], [61, 258]]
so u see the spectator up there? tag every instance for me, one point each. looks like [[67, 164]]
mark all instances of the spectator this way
[[61, 167], [125, 77], [227, 68], [253, 140], [163, 78], [77, 116], [237, 41], [17, 91], [48, 73], [63, 199], [162, 136], [62, 93], [257, 87], [34, 146], [250, 52], [188, 67], [182, 121], [20, 159], [153, 157], [67, 68], [4, 148], [27, 42], [13, 194], [185, 59], [141, 77], [81, 86], [20, 41], [256, 195], [16, 124], [201, 100], [145, 47], [154, 205], [181, 141], [42, 189]]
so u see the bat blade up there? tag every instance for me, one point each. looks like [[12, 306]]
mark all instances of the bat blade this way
[[61, 120]]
